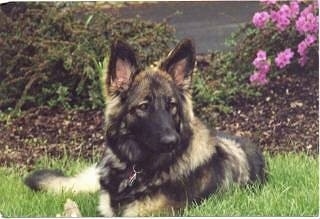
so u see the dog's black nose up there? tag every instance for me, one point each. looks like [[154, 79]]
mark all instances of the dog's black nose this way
[[169, 141]]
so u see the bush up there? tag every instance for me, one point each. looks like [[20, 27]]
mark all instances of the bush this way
[[286, 36], [218, 85], [229, 74], [51, 54]]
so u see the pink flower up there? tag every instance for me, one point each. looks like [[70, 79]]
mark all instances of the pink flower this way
[[281, 17], [307, 10], [261, 57], [273, 16], [304, 45], [294, 9], [285, 14], [265, 67], [258, 78], [285, 10], [260, 19], [307, 23], [261, 54], [283, 58], [262, 65], [310, 39], [260, 62], [302, 48]]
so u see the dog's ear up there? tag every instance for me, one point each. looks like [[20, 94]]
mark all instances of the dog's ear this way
[[122, 67], [180, 63]]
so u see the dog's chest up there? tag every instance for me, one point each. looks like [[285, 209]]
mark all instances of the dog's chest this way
[[127, 185]]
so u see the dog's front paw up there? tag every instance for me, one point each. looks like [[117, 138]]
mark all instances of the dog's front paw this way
[[105, 208]]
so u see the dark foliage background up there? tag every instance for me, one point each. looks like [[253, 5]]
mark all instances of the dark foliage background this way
[[52, 55]]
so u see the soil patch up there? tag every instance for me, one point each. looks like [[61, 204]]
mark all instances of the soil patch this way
[[284, 119]]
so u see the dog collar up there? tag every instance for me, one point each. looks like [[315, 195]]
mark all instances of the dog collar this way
[[133, 175]]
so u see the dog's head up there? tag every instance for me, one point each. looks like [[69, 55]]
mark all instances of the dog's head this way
[[149, 111]]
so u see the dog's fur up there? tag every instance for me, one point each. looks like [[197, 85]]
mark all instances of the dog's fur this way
[[159, 156]]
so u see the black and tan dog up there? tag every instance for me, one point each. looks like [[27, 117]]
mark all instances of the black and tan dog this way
[[159, 156]]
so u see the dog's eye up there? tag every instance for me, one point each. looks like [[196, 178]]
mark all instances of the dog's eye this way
[[143, 106], [173, 107], [141, 109]]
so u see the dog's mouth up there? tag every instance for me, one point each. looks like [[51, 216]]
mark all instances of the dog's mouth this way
[[160, 160], [163, 149], [158, 157]]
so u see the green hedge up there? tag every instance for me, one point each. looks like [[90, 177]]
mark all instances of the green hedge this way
[[51, 54]]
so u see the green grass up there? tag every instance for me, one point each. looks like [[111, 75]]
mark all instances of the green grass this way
[[292, 190], [17, 200]]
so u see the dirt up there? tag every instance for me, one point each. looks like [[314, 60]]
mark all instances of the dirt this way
[[283, 119], [51, 132]]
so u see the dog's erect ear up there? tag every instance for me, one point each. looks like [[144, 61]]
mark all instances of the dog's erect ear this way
[[180, 63], [122, 67]]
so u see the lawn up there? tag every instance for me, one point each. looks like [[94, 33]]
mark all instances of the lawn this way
[[292, 190]]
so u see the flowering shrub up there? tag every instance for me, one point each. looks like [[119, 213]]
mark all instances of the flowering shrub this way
[[272, 43], [295, 26]]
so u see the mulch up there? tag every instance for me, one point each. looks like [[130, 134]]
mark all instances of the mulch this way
[[283, 119]]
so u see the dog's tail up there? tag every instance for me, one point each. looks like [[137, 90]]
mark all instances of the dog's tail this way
[[55, 181]]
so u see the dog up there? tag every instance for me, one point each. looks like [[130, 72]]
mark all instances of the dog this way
[[159, 156]]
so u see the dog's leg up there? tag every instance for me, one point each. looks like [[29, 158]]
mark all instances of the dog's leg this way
[[105, 208], [150, 206]]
